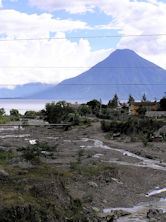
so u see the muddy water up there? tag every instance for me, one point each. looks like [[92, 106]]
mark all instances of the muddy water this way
[[144, 162], [13, 128], [15, 136], [139, 212]]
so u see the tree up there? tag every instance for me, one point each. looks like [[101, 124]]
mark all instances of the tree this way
[[15, 115], [130, 99], [30, 114], [14, 112], [114, 102], [2, 111], [84, 109], [95, 105], [144, 98], [56, 113], [163, 104]]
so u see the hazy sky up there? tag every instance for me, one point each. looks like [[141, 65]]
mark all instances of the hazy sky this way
[[34, 19]]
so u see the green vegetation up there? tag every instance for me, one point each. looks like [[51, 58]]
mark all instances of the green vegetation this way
[[2, 112], [38, 193], [84, 110], [62, 112], [133, 126], [5, 156], [57, 113], [4, 119], [94, 170], [33, 153], [94, 105], [163, 104], [143, 98], [130, 99], [114, 102], [30, 114], [14, 115]]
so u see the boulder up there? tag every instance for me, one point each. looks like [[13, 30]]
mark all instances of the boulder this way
[[3, 175], [156, 215], [92, 184]]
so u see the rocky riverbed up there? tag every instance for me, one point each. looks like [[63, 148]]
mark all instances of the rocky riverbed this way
[[80, 175]]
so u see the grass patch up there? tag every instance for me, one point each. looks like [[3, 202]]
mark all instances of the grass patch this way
[[4, 119]]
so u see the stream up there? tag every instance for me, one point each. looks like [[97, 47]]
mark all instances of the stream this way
[[138, 212], [144, 162]]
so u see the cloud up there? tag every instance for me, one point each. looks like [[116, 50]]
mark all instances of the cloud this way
[[16, 23], [72, 6], [144, 18], [80, 6], [0, 3], [53, 53], [139, 18], [128, 17]]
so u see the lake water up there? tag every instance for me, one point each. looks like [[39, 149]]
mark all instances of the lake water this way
[[23, 105], [27, 104]]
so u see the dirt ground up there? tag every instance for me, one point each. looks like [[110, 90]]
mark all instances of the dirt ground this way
[[125, 185]]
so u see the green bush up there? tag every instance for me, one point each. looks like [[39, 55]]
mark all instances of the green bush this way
[[4, 119], [74, 165], [14, 115], [57, 113], [132, 126], [31, 154], [30, 114]]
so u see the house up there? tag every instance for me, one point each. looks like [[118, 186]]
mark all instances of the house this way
[[149, 106]]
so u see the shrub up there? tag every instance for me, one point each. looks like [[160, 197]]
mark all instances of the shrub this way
[[31, 154], [74, 165], [135, 126], [30, 114], [15, 115], [81, 152], [144, 141]]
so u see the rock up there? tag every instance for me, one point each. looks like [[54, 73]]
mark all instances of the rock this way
[[22, 172], [156, 215], [113, 215], [104, 201], [96, 209], [3, 174], [92, 184]]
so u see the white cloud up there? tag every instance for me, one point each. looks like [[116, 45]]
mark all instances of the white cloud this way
[[0, 3], [16, 23], [139, 18], [56, 53], [129, 17], [53, 52], [144, 18], [72, 6], [79, 6]]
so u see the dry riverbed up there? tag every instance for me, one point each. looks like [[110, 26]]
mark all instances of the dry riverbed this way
[[108, 177]]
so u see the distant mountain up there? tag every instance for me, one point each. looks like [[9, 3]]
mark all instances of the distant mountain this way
[[116, 74], [23, 91], [123, 72]]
